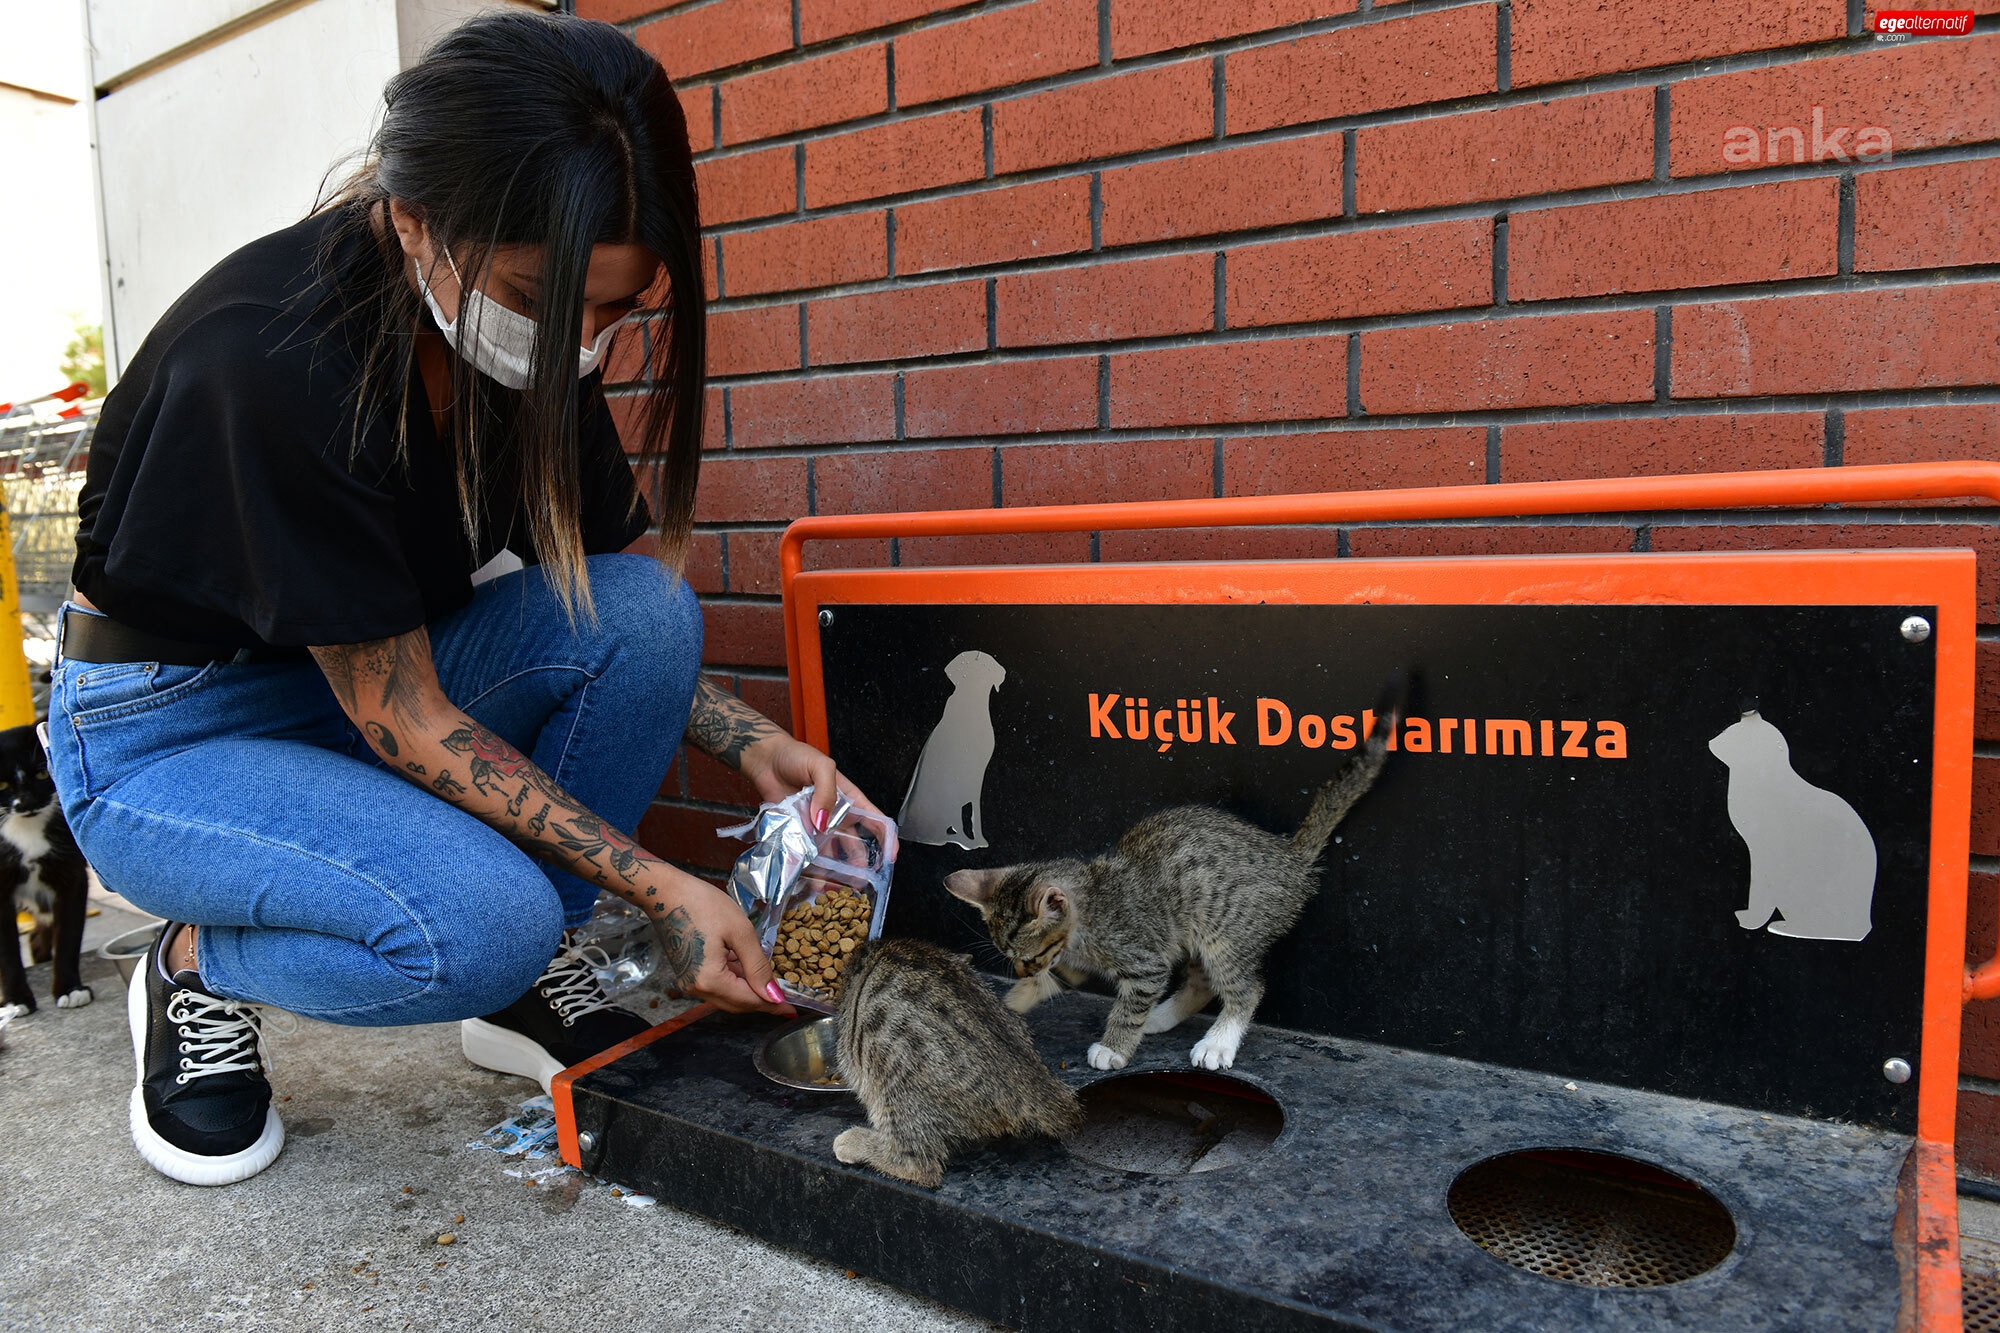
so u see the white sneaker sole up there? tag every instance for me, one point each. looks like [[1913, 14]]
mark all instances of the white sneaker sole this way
[[493, 1047], [177, 1163]]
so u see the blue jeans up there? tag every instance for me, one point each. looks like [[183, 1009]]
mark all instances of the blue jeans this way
[[240, 799]]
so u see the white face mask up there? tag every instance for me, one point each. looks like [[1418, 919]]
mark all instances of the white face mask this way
[[503, 340]]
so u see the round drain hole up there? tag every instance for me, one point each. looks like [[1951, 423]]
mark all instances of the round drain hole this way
[[1591, 1218], [1174, 1124]]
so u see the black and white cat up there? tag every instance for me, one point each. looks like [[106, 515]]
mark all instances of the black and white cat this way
[[44, 874]]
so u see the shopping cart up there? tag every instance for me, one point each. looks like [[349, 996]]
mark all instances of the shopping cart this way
[[43, 448]]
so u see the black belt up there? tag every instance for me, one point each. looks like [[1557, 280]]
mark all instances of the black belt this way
[[99, 638]]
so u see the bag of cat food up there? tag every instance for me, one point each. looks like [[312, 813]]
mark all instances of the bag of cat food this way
[[813, 897]]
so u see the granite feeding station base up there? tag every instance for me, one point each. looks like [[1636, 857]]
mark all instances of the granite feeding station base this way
[[1630, 996], [1313, 1187]]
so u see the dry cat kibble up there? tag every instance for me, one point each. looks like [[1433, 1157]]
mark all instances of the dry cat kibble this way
[[815, 938]]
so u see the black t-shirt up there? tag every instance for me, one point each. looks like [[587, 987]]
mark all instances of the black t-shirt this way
[[229, 499]]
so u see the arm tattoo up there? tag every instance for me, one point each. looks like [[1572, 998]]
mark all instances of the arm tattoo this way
[[575, 838], [389, 688], [724, 726], [391, 676], [684, 945]]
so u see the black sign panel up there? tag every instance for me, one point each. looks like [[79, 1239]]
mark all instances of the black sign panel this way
[[1563, 898]]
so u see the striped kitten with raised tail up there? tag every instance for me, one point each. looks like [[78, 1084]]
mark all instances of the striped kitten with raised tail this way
[[937, 1062], [1190, 887]]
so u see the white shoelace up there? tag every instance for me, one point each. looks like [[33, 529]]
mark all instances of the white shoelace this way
[[570, 984], [218, 1036]]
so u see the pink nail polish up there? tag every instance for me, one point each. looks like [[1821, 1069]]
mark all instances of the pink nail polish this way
[[771, 989], [819, 821]]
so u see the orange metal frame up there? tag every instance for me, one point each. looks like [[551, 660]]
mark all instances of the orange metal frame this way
[[1944, 578], [1793, 488], [560, 1087]]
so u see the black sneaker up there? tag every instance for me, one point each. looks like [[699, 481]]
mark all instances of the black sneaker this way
[[201, 1109], [563, 1019]]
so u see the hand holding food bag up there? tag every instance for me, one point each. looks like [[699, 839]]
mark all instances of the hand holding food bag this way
[[813, 897]]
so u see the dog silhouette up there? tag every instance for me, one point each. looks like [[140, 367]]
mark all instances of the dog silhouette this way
[[1812, 859], [943, 802]]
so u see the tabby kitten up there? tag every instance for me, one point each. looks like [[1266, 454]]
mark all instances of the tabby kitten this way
[[1191, 885], [938, 1063]]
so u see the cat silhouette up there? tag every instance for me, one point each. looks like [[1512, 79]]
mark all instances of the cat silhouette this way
[[1812, 859], [943, 801]]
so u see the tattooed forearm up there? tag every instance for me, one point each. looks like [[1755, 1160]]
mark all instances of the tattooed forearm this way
[[389, 689], [575, 838], [724, 726], [684, 945], [498, 769]]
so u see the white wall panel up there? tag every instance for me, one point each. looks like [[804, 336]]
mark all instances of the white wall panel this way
[[213, 151], [42, 47], [48, 240], [128, 33], [234, 139]]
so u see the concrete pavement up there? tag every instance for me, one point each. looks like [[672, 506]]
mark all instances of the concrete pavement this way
[[341, 1232]]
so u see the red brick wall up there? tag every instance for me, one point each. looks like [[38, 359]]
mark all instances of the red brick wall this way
[[1033, 251]]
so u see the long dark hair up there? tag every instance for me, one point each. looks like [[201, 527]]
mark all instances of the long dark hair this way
[[537, 129]]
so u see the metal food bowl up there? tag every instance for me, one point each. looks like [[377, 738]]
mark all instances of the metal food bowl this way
[[800, 1055], [126, 950]]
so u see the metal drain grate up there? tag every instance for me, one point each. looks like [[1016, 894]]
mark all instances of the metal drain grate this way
[[1982, 1302], [1591, 1218], [1979, 1272]]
